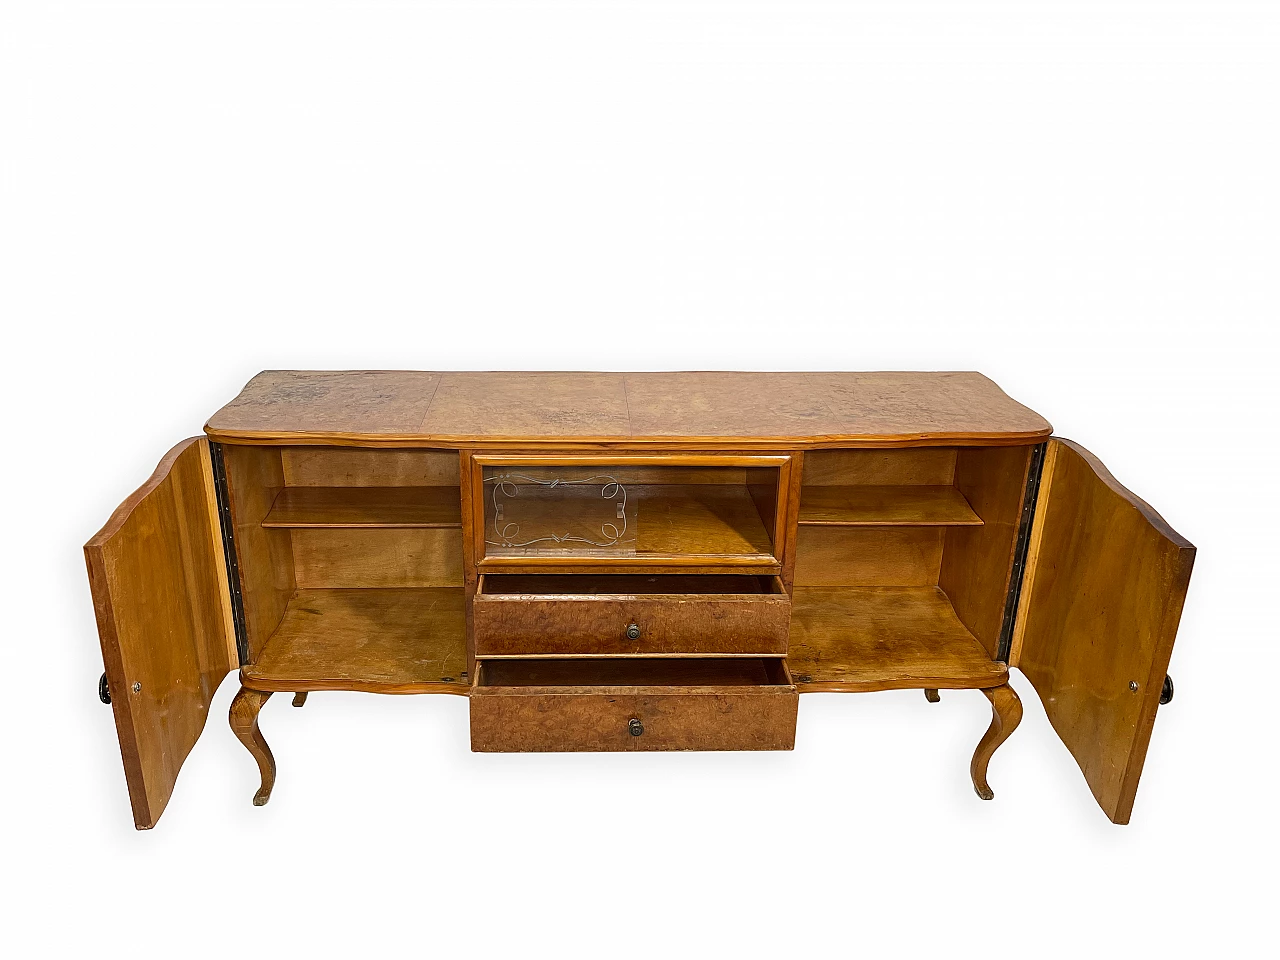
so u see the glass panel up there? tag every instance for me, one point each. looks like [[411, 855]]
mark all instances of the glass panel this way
[[623, 511], [556, 512]]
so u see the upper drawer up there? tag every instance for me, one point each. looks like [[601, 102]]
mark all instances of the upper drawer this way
[[656, 511], [618, 614]]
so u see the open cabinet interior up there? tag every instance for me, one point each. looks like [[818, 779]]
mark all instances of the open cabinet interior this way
[[350, 562], [902, 567]]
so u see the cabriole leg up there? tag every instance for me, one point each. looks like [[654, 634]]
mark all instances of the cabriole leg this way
[[932, 696], [1006, 714], [244, 723]]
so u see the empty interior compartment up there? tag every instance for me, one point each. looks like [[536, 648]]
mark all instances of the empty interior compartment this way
[[638, 672], [350, 563], [902, 566], [627, 585], [620, 511]]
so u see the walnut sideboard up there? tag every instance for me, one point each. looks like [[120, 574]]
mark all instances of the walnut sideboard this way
[[640, 561]]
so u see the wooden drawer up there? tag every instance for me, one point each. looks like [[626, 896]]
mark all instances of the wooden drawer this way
[[727, 703], [623, 615]]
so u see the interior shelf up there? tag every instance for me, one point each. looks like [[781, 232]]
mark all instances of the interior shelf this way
[[366, 507], [902, 506], [672, 521], [410, 640], [884, 638]]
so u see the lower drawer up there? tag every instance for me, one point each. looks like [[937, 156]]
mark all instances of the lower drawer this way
[[662, 704], [628, 615]]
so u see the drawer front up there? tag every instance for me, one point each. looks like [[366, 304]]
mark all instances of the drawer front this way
[[549, 719], [508, 625]]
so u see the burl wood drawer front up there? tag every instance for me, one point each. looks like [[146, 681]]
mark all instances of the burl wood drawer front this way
[[734, 705], [623, 615]]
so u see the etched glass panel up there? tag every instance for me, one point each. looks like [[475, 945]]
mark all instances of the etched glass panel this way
[[557, 512]]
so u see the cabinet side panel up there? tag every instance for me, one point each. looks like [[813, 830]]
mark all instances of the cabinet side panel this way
[[255, 476], [976, 561]]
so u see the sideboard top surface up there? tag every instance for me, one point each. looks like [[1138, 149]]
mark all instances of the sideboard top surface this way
[[703, 409]]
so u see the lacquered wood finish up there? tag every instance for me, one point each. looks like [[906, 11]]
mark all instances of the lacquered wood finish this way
[[882, 506], [255, 477], [725, 704], [244, 724], [159, 584], [798, 410], [868, 556], [365, 507], [1105, 583], [1006, 714], [859, 639], [977, 562], [590, 616], [379, 641], [338, 558], [368, 467]]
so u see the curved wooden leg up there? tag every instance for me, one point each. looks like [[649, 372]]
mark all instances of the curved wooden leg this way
[[1006, 714], [244, 723], [932, 696], [300, 698]]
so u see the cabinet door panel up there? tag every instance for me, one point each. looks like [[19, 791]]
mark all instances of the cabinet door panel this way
[[1105, 582], [159, 583]]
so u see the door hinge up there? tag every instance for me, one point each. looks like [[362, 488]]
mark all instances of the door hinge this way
[[229, 550], [1021, 546]]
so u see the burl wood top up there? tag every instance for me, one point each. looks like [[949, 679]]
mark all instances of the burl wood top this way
[[707, 409]]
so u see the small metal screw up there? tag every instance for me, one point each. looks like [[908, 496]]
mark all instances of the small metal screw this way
[[137, 687], [1133, 685]]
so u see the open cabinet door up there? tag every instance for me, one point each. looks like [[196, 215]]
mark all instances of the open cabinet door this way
[[158, 576], [1100, 604]]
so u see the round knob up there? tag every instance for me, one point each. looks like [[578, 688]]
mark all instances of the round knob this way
[[635, 727], [633, 632], [104, 692]]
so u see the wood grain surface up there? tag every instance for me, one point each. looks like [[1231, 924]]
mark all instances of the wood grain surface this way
[[381, 641], [883, 638], [977, 561], [725, 704], [365, 507], [800, 410], [868, 556], [590, 616], [884, 506], [410, 557], [1105, 583], [159, 584]]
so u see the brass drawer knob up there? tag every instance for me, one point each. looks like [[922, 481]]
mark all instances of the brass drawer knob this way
[[635, 727], [633, 631]]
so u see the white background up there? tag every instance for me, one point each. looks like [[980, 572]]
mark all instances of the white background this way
[[1078, 199]]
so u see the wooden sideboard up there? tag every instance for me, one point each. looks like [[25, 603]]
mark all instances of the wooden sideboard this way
[[640, 561]]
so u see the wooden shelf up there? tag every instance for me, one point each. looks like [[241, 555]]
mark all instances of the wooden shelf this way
[[884, 638], [366, 507], [674, 522], [876, 506], [377, 640]]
